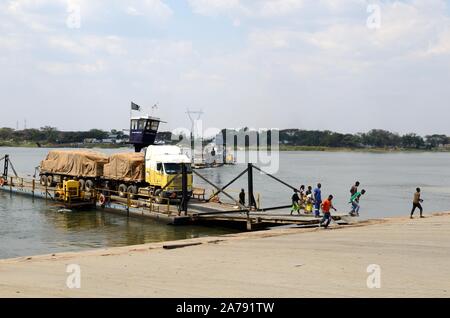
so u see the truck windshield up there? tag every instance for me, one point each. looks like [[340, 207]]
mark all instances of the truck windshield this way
[[175, 168]]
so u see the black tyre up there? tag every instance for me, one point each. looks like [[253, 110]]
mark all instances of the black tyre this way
[[132, 190], [49, 181], [89, 186], [158, 196], [82, 184], [123, 191]]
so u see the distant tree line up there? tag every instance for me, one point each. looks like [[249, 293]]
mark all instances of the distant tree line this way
[[375, 138], [51, 135]]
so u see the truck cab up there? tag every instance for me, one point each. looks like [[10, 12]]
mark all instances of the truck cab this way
[[162, 165]]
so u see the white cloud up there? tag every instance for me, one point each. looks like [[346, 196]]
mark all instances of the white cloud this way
[[132, 11], [22, 11], [275, 38], [280, 7], [13, 42], [159, 53], [197, 76], [60, 68], [155, 9], [88, 45], [406, 28], [39, 15], [214, 7], [441, 46], [246, 8], [338, 6]]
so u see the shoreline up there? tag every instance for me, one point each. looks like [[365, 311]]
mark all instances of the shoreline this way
[[284, 262], [59, 146], [272, 232], [282, 148]]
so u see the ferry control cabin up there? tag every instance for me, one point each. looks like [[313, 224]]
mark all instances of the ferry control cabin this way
[[143, 131]]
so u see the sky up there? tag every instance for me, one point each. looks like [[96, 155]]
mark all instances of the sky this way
[[340, 65]]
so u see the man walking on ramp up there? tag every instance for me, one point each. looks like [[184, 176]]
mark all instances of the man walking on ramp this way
[[354, 200], [327, 205], [417, 203]]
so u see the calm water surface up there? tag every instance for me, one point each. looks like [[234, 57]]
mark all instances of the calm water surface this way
[[30, 227]]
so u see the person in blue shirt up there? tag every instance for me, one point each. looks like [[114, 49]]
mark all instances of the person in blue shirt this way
[[317, 200]]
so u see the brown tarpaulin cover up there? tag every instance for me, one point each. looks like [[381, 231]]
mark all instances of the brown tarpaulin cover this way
[[128, 166], [76, 163]]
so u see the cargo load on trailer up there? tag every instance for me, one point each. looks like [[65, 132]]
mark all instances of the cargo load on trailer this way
[[128, 167], [75, 163], [71, 163]]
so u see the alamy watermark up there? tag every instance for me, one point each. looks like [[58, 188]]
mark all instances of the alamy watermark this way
[[73, 20], [374, 20], [257, 146], [73, 281], [374, 279]]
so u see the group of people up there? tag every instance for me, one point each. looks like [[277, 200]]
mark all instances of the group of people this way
[[311, 200]]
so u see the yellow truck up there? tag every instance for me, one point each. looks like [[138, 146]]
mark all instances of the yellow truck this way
[[157, 172], [162, 165]]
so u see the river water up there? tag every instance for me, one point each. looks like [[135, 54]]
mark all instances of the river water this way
[[30, 227]]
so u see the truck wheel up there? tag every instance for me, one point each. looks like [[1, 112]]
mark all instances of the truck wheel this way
[[132, 190], [158, 196], [82, 184], [43, 180], [49, 181], [123, 191], [89, 185]]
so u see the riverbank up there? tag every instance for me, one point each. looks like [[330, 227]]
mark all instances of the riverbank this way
[[364, 150], [75, 146], [414, 256], [281, 148]]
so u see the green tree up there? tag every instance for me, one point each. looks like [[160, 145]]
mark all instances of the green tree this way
[[381, 138], [97, 134], [412, 141], [50, 133], [434, 141]]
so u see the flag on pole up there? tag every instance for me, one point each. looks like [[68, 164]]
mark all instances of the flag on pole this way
[[135, 106]]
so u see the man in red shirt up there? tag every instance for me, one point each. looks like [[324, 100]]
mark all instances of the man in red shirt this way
[[326, 206]]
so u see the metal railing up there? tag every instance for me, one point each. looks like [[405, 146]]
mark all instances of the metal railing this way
[[130, 200]]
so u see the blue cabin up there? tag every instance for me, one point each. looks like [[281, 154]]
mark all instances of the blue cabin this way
[[143, 131]]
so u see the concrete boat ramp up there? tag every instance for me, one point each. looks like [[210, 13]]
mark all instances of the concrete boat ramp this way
[[215, 213]]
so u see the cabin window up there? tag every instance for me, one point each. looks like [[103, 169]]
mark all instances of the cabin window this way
[[142, 124], [154, 125], [159, 167], [134, 124], [175, 168]]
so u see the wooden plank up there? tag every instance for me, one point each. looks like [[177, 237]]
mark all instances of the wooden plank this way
[[174, 246]]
